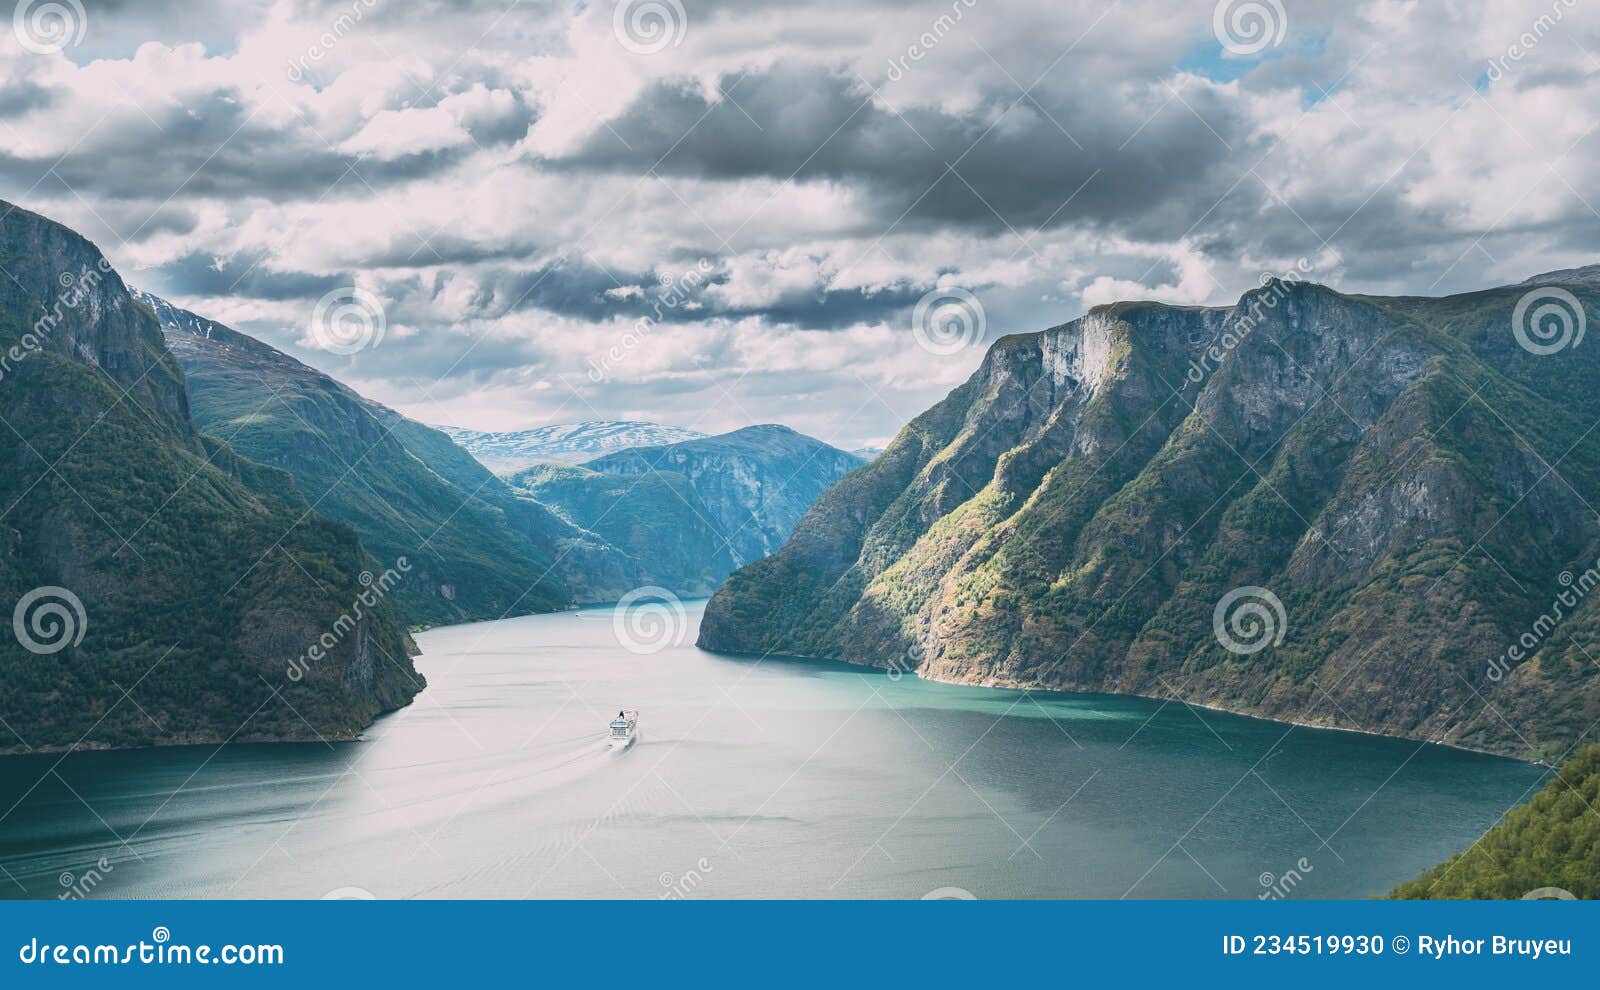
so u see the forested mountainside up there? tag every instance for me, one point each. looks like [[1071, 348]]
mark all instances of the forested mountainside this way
[[1546, 849], [162, 585], [1359, 512], [691, 512], [479, 549]]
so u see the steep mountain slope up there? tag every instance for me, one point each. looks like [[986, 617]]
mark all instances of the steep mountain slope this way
[[657, 518], [479, 550], [1547, 848], [161, 585], [1389, 489], [691, 512], [754, 483], [565, 443]]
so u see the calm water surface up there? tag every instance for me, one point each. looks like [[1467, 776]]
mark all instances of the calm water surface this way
[[769, 779]]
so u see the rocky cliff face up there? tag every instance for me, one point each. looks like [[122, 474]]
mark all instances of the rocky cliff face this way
[[163, 587], [1373, 482]]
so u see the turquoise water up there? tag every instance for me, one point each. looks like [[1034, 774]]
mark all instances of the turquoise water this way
[[750, 779]]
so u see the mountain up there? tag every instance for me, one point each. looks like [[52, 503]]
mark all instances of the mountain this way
[[1373, 513], [691, 512], [1587, 276], [754, 483], [478, 549], [163, 589], [568, 443], [657, 518], [1547, 848]]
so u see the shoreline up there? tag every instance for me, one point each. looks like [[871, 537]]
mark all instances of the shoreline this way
[[1040, 689]]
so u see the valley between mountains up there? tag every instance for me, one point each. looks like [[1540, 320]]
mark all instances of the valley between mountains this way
[[1396, 493], [217, 507]]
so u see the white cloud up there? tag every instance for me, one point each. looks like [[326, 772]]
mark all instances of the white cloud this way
[[444, 156]]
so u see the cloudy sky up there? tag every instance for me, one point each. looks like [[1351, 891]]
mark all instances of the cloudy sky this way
[[465, 208]]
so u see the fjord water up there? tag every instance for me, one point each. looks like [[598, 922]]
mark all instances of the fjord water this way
[[773, 778]]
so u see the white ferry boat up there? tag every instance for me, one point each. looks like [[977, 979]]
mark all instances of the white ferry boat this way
[[624, 729]]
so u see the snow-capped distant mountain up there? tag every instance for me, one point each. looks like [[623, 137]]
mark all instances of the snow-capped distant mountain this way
[[564, 443]]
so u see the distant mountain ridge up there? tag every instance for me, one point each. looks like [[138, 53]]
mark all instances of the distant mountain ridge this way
[[682, 518], [691, 512], [562, 443], [1587, 275], [755, 482]]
